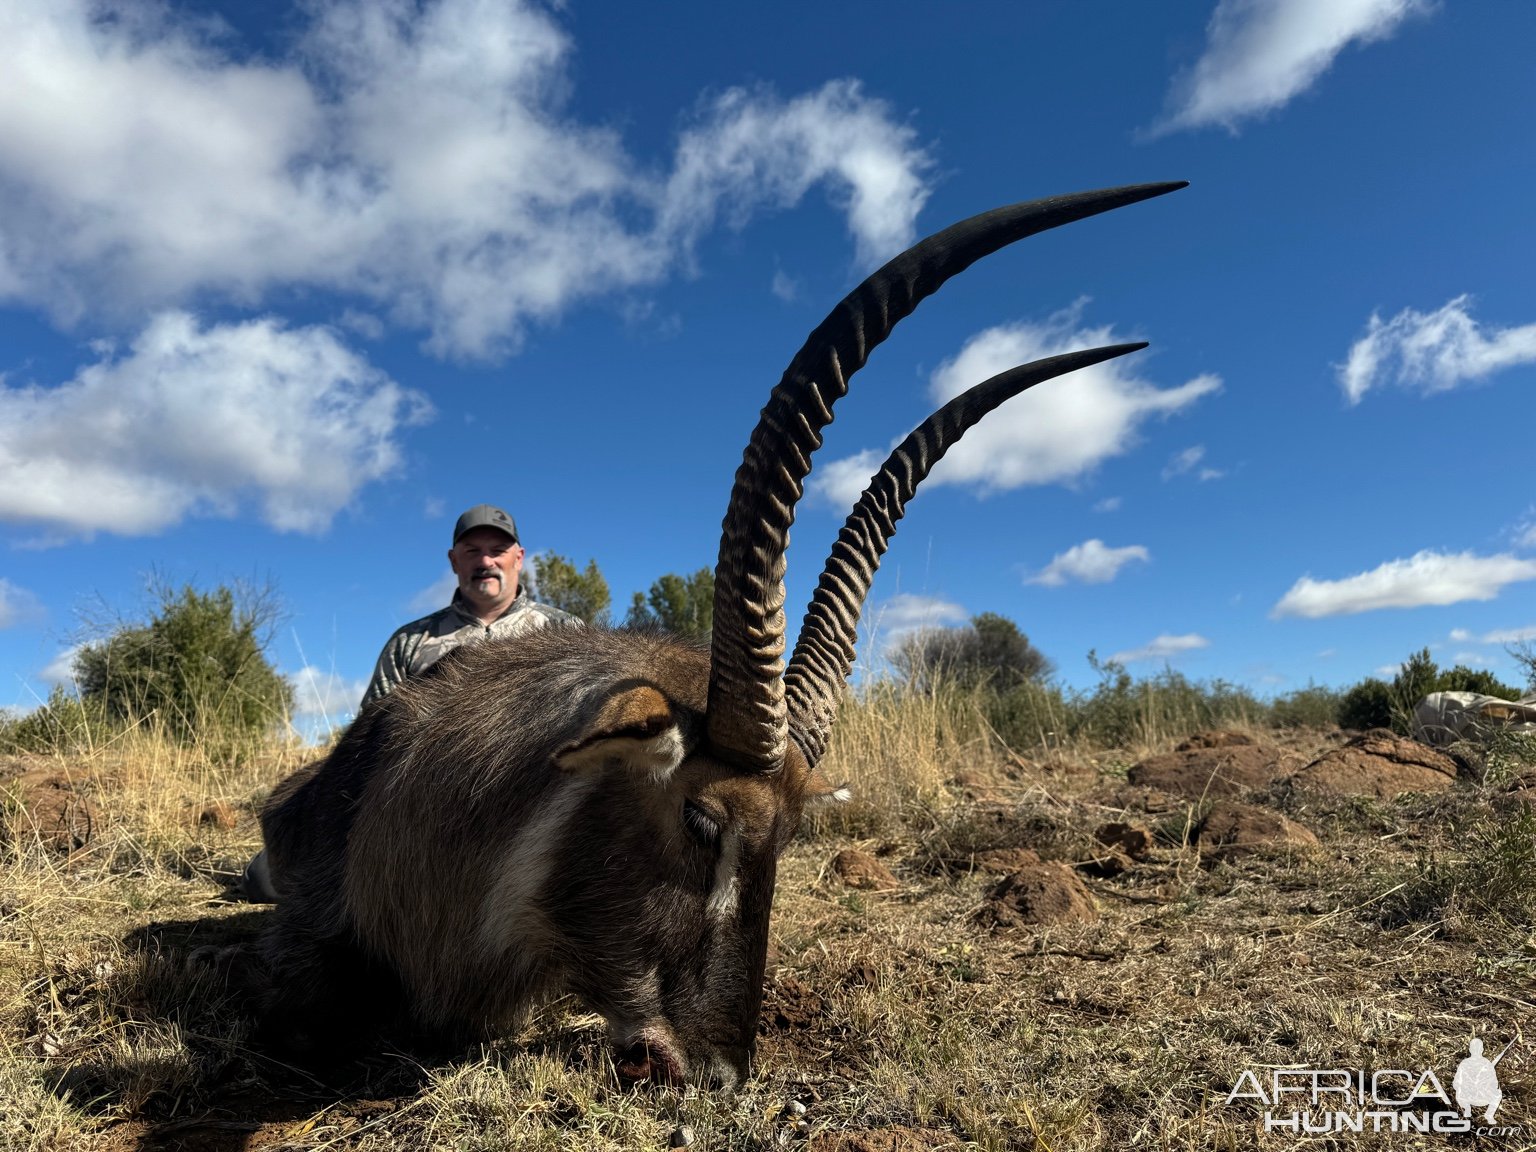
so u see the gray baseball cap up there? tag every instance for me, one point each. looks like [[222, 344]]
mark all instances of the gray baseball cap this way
[[485, 516]]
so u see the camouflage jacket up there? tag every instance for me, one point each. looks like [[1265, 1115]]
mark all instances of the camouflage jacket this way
[[422, 643]]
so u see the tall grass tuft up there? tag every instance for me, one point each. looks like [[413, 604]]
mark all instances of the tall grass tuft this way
[[896, 748]]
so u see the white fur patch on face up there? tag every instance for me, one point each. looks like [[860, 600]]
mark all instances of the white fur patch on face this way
[[657, 756], [723, 898], [510, 917]]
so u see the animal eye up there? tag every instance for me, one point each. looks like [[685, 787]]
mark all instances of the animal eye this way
[[701, 826]]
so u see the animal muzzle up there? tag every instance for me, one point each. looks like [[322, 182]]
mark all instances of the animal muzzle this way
[[656, 1056]]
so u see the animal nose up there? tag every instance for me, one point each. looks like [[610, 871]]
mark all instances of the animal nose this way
[[729, 1068]]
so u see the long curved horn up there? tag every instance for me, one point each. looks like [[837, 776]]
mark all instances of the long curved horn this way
[[823, 656], [746, 716]]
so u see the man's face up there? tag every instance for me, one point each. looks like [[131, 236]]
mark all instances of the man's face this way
[[487, 563]]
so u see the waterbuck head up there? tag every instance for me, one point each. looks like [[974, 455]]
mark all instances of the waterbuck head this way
[[601, 812]]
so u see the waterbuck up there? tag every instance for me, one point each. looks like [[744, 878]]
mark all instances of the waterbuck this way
[[600, 812]]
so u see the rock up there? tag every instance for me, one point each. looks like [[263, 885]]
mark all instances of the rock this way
[[681, 1137], [53, 811], [1041, 893], [1131, 839], [1377, 763], [858, 869], [1231, 829], [1207, 772]]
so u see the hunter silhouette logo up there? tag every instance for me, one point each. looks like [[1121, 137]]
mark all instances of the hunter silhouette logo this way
[[1476, 1082]]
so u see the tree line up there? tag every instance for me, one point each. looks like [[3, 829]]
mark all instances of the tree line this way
[[198, 670]]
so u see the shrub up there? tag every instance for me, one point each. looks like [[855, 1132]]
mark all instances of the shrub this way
[[1367, 705], [197, 667], [1314, 706], [989, 650], [66, 724], [1373, 703]]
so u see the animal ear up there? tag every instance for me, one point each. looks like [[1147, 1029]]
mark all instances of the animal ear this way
[[820, 791], [633, 729]]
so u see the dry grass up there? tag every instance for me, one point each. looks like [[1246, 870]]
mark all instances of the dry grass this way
[[1407, 932]]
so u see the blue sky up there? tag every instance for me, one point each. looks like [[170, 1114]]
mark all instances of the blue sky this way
[[283, 290]]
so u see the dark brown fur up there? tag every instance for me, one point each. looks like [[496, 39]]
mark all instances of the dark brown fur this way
[[387, 854]]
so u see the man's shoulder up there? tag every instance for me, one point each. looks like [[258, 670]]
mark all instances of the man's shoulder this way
[[433, 623], [552, 615]]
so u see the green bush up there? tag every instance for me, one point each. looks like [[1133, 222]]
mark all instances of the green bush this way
[[197, 668], [1484, 683], [65, 724], [990, 651], [1120, 711], [1367, 705], [1373, 703], [1314, 706]]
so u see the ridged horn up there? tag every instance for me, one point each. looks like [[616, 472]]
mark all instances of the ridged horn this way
[[746, 712], [823, 656]]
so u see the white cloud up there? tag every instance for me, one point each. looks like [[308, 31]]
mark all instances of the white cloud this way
[[1058, 432], [784, 286], [325, 695], [1185, 462], [1165, 647], [1524, 531], [1497, 636], [419, 156], [1108, 504], [198, 421], [905, 612], [435, 595], [1260, 54], [751, 149], [1426, 578], [17, 605], [61, 669], [1090, 562], [1433, 352]]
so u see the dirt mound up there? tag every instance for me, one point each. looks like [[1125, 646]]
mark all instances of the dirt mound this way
[[1042, 893], [858, 869], [1005, 860], [894, 1139], [1231, 829], [1216, 740], [221, 814], [1202, 769], [52, 810], [1377, 763], [1131, 839], [789, 1004]]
